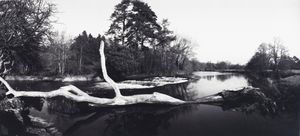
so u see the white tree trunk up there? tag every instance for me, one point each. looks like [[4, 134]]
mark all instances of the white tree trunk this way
[[74, 93], [104, 71]]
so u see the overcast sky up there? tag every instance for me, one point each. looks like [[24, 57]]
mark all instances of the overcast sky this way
[[229, 30]]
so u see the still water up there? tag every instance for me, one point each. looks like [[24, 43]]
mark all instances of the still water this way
[[73, 119]]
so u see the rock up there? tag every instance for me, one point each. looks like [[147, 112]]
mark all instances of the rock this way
[[15, 119], [42, 127], [11, 105]]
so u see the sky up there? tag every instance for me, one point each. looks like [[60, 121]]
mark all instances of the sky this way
[[220, 30]]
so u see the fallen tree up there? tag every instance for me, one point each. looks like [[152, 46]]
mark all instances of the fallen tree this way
[[74, 93]]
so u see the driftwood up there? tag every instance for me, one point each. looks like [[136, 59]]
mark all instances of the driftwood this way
[[74, 93]]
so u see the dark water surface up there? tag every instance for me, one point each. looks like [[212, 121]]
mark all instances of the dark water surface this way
[[76, 119]]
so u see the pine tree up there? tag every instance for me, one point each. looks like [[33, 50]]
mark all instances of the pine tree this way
[[134, 24]]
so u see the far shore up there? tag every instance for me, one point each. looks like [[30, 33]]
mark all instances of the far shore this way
[[291, 77], [78, 78], [52, 78]]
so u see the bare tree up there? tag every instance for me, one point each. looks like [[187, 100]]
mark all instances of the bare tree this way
[[182, 49], [59, 48], [23, 26], [277, 52]]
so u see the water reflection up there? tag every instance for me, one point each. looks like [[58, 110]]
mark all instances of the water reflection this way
[[244, 117], [61, 105], [136, 120], [227, 76], [218, 76], [179, 91], [207, 83], [181, 120]]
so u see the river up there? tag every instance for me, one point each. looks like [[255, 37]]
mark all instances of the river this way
[[74, 119]]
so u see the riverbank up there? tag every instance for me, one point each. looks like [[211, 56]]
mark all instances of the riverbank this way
[[53, 78], [98, 83], [76, 78], [282, 73]]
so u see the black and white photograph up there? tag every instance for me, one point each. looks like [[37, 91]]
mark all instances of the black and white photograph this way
[[149, 67]]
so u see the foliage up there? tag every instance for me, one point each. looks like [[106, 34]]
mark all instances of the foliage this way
[[56, 55], [260, 61], [219, 66], [84, 54], [136, 43], [133, 24], [23, 26], [150, 47], [273, 56], [296, 63]]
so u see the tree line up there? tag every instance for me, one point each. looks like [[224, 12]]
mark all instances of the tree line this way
[[272, 57], [136, 43], [218, 66]]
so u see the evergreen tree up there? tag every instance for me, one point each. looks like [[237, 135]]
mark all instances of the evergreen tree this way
[[134, 24]]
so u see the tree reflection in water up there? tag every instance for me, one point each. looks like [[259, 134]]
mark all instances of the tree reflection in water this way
[[62, 105], [224, 77], [179, 91], [220, 76], [134, 120]]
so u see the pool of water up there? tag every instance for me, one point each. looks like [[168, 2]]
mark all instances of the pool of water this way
[[74, 119], [209, 83]]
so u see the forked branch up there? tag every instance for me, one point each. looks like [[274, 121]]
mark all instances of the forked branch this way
[[74, 93]]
